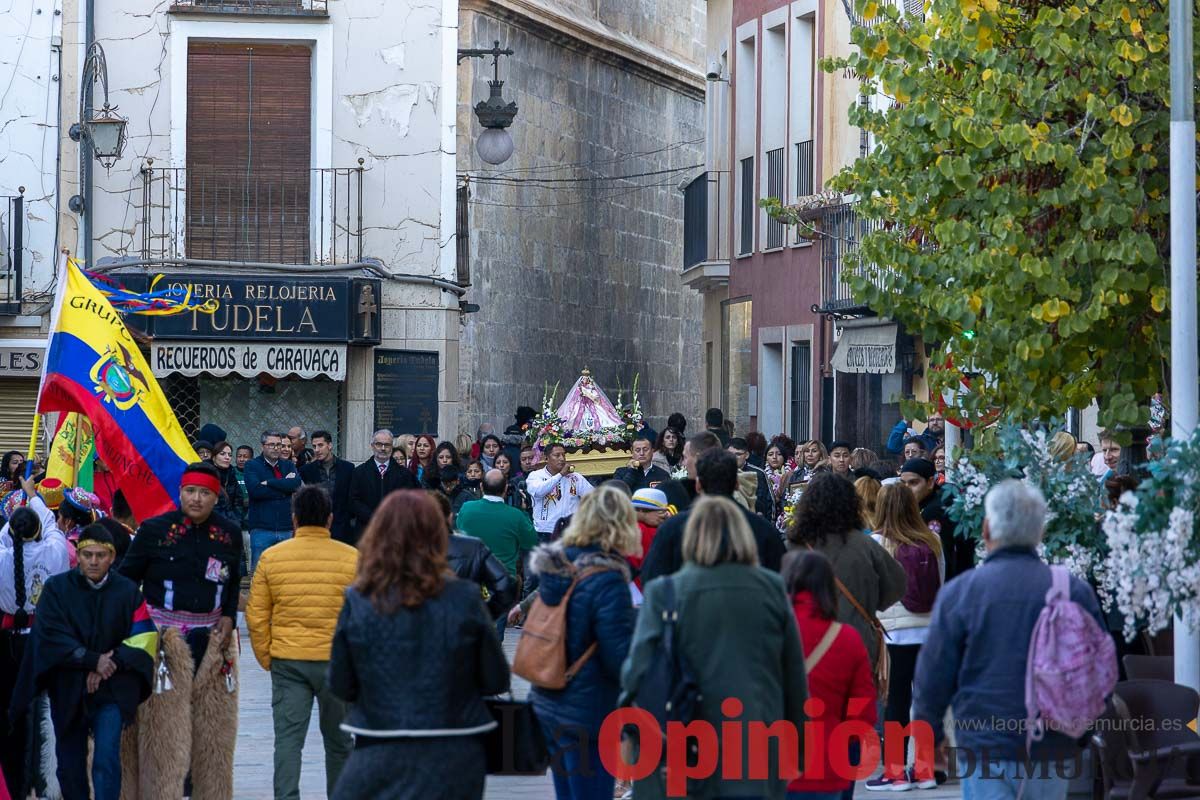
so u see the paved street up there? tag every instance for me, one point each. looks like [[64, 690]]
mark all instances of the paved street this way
[[252, 761]]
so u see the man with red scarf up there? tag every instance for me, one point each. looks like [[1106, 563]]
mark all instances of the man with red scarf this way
[[188, 562]]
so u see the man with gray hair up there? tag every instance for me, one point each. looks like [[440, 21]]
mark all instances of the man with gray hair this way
[[975, 656], [302, 454], [374, 479]]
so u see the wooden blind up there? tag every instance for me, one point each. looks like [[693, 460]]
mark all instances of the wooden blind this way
[[248, 150]]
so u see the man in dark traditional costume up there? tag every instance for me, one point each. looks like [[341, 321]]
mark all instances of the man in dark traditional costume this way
[[92, 652], [188, 563]]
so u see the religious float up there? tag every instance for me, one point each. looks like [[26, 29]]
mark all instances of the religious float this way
[[596, 433]]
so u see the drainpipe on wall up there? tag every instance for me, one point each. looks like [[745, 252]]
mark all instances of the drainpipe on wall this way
[[85, 143]]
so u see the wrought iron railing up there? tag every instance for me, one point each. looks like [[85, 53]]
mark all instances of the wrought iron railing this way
[[776, 231], [296, 217], [276, 8], [804, 168], [746, 208], [842, 231], [12, 224]]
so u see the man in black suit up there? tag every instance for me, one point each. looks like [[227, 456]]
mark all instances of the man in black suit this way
[[374, 479], [641, 473], [334, 474]]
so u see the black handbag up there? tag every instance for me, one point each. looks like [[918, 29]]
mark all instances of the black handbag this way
[[668, 690], [516, 746]]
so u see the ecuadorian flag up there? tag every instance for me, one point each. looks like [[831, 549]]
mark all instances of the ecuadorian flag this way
[[93, 366], [143, 635]]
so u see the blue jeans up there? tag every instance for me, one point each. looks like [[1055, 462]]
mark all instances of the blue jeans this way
[[1002, 780], [260, 540], [575, 763], [500, 625], [72, 749]]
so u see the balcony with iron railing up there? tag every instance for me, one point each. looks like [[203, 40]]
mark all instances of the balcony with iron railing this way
[[705, 226], [264, 8], [842, 232], [12, 227], [309, 216]]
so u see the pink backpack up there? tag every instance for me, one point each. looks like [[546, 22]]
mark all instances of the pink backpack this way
[[1071, 668]]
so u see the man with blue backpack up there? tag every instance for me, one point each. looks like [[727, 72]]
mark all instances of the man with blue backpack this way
[[1018, 649]]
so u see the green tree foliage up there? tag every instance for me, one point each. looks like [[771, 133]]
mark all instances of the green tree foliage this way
[[1021, 178]]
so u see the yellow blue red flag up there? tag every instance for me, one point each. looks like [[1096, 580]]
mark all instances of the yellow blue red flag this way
[[93, 366], [71, 450]]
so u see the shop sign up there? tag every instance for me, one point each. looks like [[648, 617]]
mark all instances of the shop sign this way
[[869, 349], [22, 357], [248, 359], [291, 308], [406, 391]]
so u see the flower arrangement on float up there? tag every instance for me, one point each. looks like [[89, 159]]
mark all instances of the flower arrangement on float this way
[[586, 421], [1072, 493], [1151, 571]]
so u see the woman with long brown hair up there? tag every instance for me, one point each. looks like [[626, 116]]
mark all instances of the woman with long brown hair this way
[[420, 464], [414, 654], [902, 532]]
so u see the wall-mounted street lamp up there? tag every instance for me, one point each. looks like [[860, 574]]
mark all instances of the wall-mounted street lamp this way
[[104, 130], [495, 145]]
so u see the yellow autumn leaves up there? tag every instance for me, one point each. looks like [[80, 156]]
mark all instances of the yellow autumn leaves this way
[[1051, 311]]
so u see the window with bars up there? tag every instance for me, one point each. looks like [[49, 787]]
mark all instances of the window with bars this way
[[776, 231], [801, 392], [746, 239], [804, 168], [462, 235], [864, 136]]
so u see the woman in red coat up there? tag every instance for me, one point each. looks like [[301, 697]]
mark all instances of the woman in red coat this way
[[840, 685]]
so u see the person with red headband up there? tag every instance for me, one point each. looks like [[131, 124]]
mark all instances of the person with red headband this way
[[188, 564]]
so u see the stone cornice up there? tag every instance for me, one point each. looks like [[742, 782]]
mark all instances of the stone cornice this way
[[597, 40]]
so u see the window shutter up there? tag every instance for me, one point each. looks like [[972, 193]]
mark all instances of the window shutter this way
[[248, 151]]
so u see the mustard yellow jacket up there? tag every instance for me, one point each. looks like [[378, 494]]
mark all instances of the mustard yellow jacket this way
[[296, 596]]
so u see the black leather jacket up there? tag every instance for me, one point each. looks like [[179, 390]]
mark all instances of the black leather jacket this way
[[471, 560]]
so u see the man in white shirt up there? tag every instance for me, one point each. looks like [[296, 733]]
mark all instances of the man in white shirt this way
[[555, 490]]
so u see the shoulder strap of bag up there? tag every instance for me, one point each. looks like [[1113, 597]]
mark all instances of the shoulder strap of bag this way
[[871, 621], [578, 663], [822, 647]]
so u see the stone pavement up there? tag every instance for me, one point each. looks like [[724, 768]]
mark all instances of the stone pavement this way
[[252, 762]]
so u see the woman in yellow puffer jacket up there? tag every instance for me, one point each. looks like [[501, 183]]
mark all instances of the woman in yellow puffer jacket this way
[[295, 598]]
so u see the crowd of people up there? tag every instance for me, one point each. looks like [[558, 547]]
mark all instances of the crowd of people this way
[[798, 582]]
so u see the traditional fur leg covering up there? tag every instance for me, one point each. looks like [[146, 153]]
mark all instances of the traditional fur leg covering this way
[[129, 763], [214, 724], [164, 727], [48, 758]]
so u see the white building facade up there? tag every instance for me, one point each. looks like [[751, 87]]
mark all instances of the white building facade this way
[[293, 159]]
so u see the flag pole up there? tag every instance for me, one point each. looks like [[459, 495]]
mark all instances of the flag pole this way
[[37, 418], [64, 257]]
